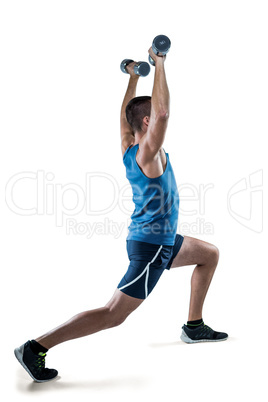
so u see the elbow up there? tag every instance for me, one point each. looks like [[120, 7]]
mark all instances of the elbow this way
[[162, 114]]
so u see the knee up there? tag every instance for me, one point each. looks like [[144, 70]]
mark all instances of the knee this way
[[115, 319], [214, 254]]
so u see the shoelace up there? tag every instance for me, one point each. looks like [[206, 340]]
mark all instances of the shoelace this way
[[40, 362], [210, 332], [204, 330], [207, 328]]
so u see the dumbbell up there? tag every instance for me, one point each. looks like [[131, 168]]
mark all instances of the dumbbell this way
[[161, 44], [141, 67]]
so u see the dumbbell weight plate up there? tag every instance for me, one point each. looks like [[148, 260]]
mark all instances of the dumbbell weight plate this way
[[142, 68], [151, 61], [161, 44]]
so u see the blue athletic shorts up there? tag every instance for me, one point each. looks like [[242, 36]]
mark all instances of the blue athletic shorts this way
[[147, 263]]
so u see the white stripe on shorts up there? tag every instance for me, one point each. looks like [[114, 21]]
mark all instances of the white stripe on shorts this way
[[147, 274]]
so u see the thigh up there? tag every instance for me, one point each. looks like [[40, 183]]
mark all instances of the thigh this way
[[145, 268], [192, 252]]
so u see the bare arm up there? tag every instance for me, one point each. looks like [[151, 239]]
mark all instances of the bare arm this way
[[153, 140], [127, 135]]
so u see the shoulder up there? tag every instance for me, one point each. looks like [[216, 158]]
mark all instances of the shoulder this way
[[152, 167], [149, 153]]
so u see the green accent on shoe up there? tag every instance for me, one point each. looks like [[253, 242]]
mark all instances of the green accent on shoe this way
[[40, 362], [34, 364]]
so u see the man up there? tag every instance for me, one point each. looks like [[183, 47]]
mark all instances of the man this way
[[152, 242]]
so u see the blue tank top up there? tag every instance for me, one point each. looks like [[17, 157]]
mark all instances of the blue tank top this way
[[156, 200]]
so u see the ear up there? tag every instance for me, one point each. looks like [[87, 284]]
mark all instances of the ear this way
[[146, 120]]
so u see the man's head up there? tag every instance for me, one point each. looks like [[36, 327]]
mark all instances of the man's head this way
[[138, 112]]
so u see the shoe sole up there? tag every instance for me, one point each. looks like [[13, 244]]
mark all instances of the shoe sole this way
[[19, 355], [185, 338]]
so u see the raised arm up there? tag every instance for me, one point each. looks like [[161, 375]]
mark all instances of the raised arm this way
[[127, 135], [153, 140]]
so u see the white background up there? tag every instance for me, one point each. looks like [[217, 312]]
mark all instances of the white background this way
[[61, 92]]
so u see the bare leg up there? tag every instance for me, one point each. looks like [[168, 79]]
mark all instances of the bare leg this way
[[206, 256], [114, 313]]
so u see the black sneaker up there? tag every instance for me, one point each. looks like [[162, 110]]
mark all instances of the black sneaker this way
[[34, 364], [203, 333]]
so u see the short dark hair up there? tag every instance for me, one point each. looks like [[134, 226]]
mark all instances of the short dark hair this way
[[136, 110]]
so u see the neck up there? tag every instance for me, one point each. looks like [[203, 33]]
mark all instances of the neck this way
[[138, 137]]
